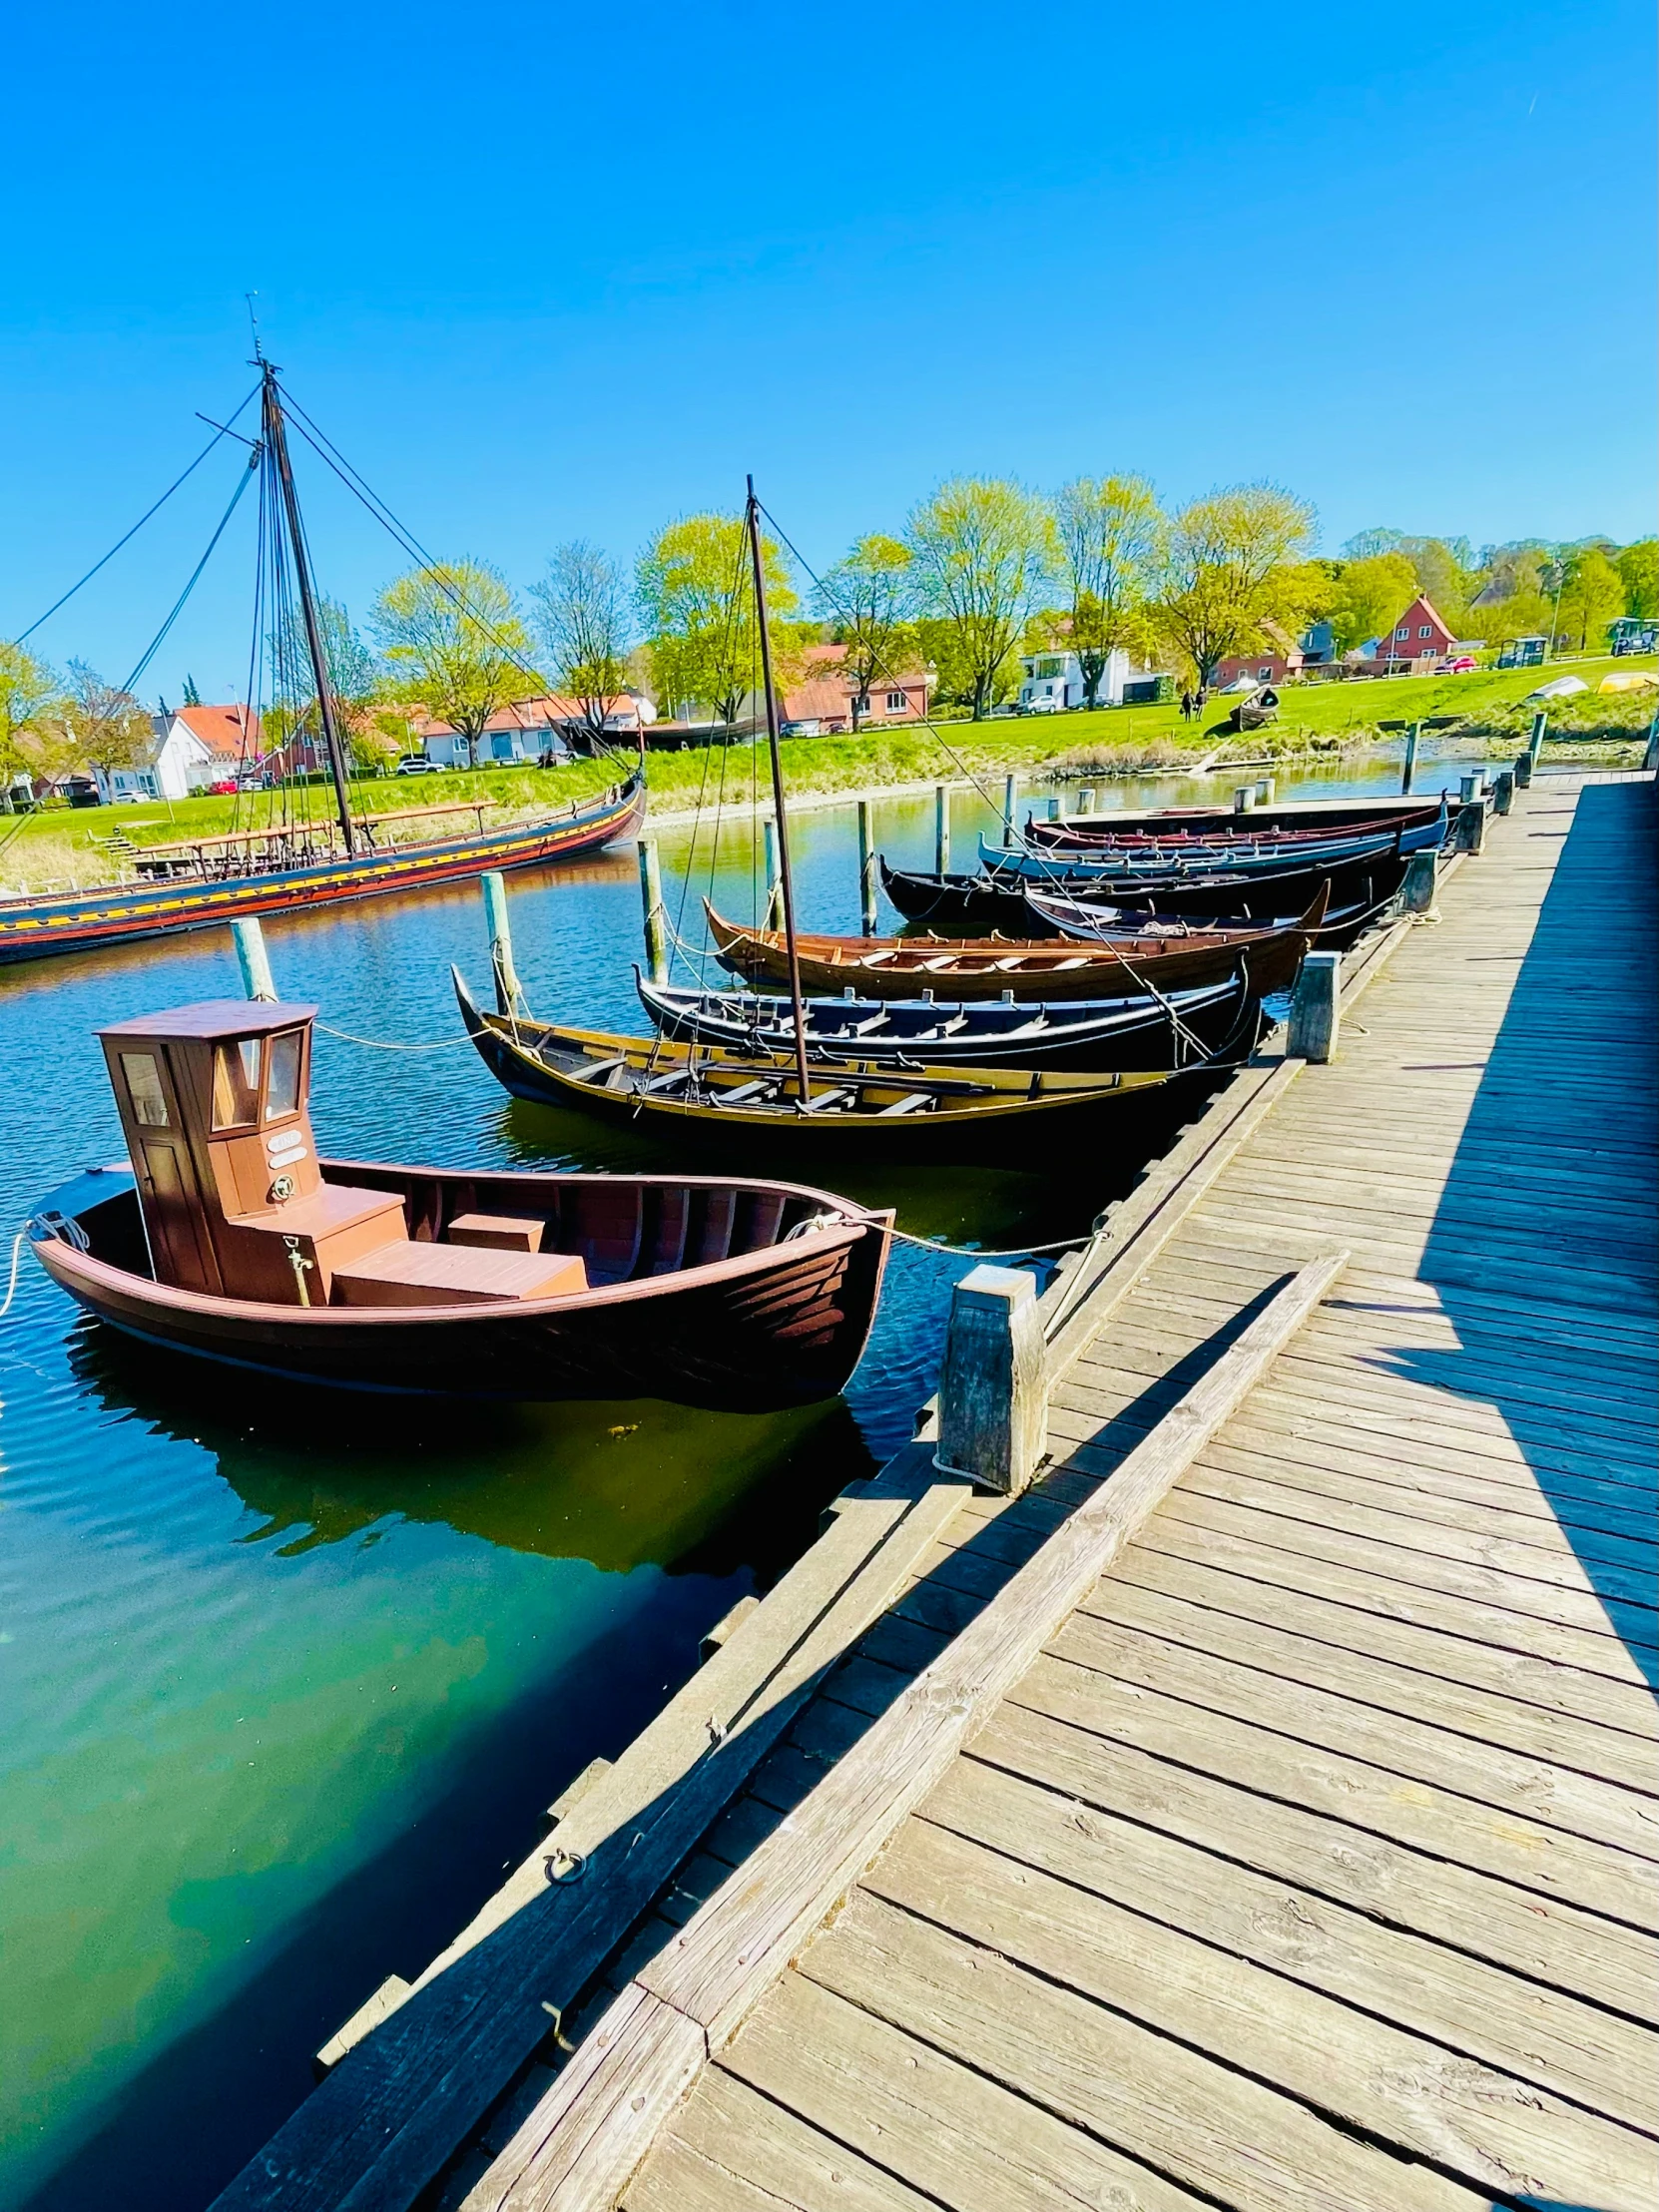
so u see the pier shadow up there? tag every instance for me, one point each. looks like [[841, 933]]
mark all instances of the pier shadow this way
[[1543, 1249]]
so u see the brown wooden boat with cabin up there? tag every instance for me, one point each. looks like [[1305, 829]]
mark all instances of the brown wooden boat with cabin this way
[[1160, 957], [230, 1238]]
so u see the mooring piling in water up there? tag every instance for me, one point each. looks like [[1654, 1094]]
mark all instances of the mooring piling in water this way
[[993, 1399], [866, 869], [1010, 800], [253, 959], [1535, 744], [942, 829], [1413, 731], [1243, 799], [1085, 800], [654, 915], [509, 993], [1265, 790]]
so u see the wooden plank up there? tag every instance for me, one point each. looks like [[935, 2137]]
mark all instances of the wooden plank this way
[[962, 2139], [1615, 1823], [1341, 1651], [733, 2152], [734, 1949], [1210, 2129], [1625, 1628], [1321, 1778], [737, 1945], [1545, 1939], [1381, 2031], [1356, 1611], [601, 2114]]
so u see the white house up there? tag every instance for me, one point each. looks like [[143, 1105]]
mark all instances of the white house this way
[[1055, 680], [190, 747]]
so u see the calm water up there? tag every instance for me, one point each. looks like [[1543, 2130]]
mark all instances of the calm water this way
[[284, 1679]]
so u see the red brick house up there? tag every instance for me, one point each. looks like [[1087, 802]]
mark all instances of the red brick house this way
[[1275, 660], [824, 693], [1417, 635]]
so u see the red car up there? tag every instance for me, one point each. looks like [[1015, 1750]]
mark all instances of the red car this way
[[1465, 665], [226, 783]]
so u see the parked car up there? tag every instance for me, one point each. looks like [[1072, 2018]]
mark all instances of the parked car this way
[[225, 788], [1043, 704], [1465, 665], [417, 763]]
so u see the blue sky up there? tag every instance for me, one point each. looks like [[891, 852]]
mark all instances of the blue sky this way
[[547, 273]]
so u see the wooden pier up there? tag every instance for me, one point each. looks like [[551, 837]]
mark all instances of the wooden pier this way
[[1259, 1810]]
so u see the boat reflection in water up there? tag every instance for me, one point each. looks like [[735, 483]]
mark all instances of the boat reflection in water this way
[[620, 1484]]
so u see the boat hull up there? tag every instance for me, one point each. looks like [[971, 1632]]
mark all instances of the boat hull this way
[[770, 1329], [36, 929]]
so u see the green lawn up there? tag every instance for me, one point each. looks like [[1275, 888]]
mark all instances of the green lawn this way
[[59, 847]]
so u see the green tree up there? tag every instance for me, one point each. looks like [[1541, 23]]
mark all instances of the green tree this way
[[1448, 575], [981, 548], [1638, 567], [869, 601], [456, 643], [1227, 568], [1592, 593], [1366, 545], [581, 618], [696, 600], [1368, 597], [106, 727], [355, 679], [31, 739], [1108, 532]]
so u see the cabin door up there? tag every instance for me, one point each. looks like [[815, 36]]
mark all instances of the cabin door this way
[[168, 1188]]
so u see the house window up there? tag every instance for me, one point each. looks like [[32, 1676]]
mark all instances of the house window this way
[[1266, 673], [1404, 630], [502, 747], [1424, 630], [861, 702], [897, 703]]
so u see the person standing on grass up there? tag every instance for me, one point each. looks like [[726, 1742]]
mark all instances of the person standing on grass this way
[[1186, 706]]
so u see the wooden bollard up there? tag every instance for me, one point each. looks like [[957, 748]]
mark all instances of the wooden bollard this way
[[1085, 800], [253, 959], [1470, 787], [993, 1399], [654, 914], [774, 889], [1416, 892], [942, 829], [1412, 731], [1523, 771], [1503, 791], [1054, 808], [1535, 744], [1010, 800], [866, 869], [1265, 790], [509, 995], [1243, 799], [1471, 828], [1315, 1009]]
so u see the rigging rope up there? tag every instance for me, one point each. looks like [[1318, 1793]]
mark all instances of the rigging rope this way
[[220, 431], [179, 604]]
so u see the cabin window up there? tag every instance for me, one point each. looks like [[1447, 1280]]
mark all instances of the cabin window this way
[[282, 1086], [144, 1088], [895, 703], [236, 1084]]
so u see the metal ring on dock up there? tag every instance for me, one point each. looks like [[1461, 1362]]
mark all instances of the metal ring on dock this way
[[570, 1865]]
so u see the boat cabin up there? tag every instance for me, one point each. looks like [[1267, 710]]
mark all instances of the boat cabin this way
[[214, 1103]]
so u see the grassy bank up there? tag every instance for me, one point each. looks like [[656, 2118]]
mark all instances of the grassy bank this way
[[59, 849]]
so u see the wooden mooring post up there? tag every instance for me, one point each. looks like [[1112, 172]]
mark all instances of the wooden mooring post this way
[[866, 869], [1266, 791], [1085, 800], [1503, 791], [942, 829], [509, 993], [1472, 819], [655, 915], [1523, 771], [774, 889], [1010, 800], [1535, 744], [1416, 893], [1412, 731], [1315, 1009], [1243, 799], [253, 959], [993, 1399]]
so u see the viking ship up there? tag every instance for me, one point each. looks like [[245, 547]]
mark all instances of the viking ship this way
[[297, 864]]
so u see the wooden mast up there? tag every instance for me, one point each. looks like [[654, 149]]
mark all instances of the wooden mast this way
[[276, 434], [785, 884]]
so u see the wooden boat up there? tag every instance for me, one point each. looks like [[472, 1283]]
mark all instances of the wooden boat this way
[[230, 1239], [1144, 1030], [1341, 814], [85, 921], [1093, 834], [1091, 921], [1050, 968], [1243, 855], [744, 1103], [988, 905], [278, 868]]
